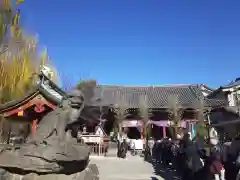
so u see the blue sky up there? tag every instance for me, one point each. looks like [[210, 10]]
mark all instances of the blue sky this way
[[140, 42]]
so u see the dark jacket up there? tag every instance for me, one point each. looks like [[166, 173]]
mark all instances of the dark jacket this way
[[122, 150], [234, 149], [193, 156]]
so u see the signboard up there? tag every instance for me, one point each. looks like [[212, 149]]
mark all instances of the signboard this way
[[132, 123], [167, 123], [91, 138]]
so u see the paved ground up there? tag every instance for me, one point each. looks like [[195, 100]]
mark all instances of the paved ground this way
[[131, 168]]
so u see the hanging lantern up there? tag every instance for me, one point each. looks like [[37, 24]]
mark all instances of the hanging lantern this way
[[20, 113]]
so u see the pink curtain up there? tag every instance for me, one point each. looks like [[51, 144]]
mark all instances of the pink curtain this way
[[161, 123]]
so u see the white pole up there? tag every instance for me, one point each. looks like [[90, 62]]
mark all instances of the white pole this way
[[99, 146]]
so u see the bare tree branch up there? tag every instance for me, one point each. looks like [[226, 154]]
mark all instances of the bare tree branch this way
[[121, 112], [201, 109], [88, 88], [202, 112], [175, 113], [145, 114]]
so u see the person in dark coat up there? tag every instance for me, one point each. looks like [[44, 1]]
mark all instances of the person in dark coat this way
[[158, 152], [192, 154], [195, 154], [166, 152], [212, 166], [122, 149], [232, 164], [175, 149], [185, 155]]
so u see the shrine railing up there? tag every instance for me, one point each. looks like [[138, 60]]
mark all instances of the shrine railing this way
[[98, 144]]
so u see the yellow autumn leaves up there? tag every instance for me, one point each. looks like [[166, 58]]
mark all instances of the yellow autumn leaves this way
[[19, 58], [19, 1]]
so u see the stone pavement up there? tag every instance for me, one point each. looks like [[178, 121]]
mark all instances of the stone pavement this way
[[131, 168]]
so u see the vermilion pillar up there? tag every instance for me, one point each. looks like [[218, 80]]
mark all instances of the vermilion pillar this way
[[142, 132], [164, 131], [34, 126]]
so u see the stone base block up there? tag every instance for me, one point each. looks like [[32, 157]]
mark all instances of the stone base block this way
[[90, 173]]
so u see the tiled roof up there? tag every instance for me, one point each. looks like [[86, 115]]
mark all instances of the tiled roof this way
[[47, 88], [157, 96], [232, 84]]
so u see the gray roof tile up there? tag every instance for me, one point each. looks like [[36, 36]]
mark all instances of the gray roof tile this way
[[232, 84], [157, 96]]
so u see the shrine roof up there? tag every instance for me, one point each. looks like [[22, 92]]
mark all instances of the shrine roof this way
[[46, 88], [157, 96], [234, 83]]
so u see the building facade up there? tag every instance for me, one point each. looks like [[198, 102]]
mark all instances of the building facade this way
[[157, 103], [230, 93], [227, 118], [47, 95]]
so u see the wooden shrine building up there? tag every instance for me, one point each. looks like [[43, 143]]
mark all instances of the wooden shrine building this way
[[25, 113], [21, 117], [157, 103]]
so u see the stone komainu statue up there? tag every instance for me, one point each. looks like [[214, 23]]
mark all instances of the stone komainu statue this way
[[51, 153]]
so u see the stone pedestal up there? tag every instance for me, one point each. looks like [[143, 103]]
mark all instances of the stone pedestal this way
[[90, 173]]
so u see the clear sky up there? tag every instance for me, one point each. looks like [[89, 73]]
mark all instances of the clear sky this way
[[140, 42]]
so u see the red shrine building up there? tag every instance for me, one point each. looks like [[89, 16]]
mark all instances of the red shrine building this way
[[23, 115]]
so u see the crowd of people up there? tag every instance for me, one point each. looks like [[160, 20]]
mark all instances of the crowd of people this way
[[196, 159], [193, 158]]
